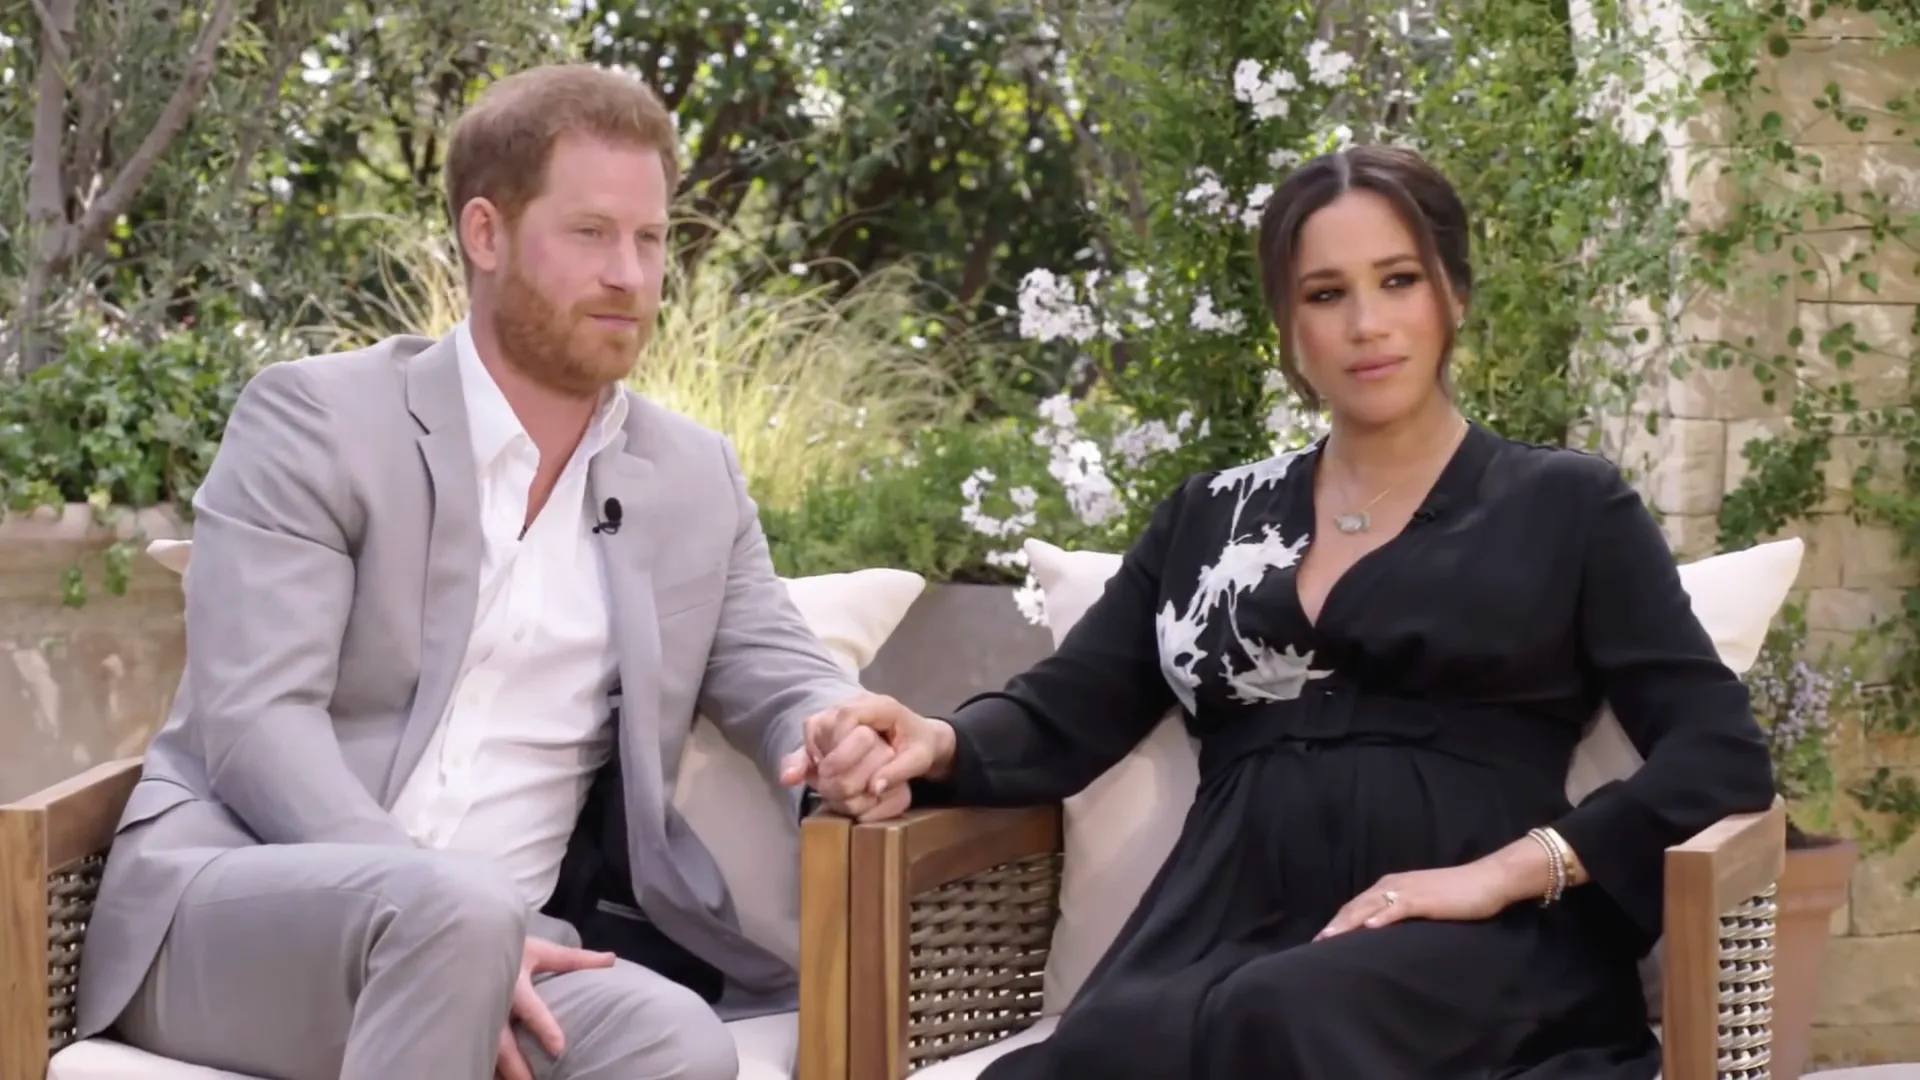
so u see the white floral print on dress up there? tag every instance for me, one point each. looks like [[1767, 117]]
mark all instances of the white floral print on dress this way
[[1273, 675]]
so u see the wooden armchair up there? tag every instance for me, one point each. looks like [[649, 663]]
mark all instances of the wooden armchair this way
[[956, 909], [53, 847]]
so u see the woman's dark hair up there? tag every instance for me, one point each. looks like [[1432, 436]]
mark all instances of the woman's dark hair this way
[[1426, 202]]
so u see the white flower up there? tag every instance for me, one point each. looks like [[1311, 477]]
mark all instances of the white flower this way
[[1327, 66], [1031, 601], [1137, 281], [820, 104], [1204, 317], [973, 514], [1207, 193], [1265, 95], [1280, 421], [1050, 309], [1078, 466], [1283, 159], [1141, 441], [1257, 200], [1057, 411]]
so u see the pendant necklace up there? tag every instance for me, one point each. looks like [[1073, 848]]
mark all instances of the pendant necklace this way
[[1358, 521], [1361, 520]]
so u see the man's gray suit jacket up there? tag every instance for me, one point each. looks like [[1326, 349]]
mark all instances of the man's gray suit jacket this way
[[337, 549]]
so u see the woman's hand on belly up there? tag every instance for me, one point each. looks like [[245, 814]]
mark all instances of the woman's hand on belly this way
[[1477, 890]]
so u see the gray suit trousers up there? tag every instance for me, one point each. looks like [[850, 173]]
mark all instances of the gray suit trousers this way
[[364, 962]]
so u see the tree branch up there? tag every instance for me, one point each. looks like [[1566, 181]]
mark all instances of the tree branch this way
[[46, 184], [173, 118]]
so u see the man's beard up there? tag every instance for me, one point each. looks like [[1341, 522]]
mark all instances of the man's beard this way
[[566, 350]]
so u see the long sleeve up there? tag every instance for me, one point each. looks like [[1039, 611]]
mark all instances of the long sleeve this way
[[267, 605], [1058, 726], [767, 671], [1683, 709]]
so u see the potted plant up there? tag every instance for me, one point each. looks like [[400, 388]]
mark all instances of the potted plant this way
[[1794, 699]]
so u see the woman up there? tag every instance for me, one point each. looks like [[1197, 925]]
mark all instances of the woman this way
[[1388, 644]]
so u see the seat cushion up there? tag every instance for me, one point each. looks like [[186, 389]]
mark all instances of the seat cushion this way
[[768, 1046], [1120, 829], [104, 1059], [968, 1066]]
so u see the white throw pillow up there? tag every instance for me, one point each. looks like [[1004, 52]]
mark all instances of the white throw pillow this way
[[1119, 831], [746, 820]]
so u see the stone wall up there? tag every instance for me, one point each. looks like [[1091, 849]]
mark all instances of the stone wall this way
[[83, 685], [1853, 573]]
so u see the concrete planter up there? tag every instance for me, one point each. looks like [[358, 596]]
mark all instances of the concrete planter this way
[[79, 686], [956, 641], [1812, 887]]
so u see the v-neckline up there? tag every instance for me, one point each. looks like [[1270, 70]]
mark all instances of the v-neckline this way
[[1436, 497]]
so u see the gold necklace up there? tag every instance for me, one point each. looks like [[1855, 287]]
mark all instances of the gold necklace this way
[[1358, 521], [1361, 520]]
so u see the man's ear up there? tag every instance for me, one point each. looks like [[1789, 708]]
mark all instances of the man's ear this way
[[482, 234]]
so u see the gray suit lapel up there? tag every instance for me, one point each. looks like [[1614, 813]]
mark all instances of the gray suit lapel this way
[[454, 545], [629, 554]]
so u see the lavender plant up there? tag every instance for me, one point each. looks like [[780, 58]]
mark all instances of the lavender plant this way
[[1797, 699]]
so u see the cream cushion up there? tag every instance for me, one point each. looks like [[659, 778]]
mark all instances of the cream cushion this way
[[739, 814], [1118, 831], [768, 1046]]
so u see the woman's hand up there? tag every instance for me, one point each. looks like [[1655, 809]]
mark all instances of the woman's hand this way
[[861, 755], [1478, 890]]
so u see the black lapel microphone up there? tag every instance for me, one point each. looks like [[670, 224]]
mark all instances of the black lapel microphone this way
[[611, 511]]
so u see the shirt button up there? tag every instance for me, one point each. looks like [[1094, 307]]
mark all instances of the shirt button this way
[[520, 634]]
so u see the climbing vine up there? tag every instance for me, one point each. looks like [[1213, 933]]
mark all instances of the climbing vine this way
[[1799, 224]]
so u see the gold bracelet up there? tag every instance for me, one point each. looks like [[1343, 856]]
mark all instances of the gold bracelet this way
[[1556, 864], [1568, 857]]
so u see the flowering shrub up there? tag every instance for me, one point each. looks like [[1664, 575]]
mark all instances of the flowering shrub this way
[[1210, 105], [953, 506]]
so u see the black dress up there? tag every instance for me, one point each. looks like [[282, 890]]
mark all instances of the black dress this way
[[1428, 719]]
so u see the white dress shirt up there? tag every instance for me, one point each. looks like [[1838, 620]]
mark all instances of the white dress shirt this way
[[507, 770]]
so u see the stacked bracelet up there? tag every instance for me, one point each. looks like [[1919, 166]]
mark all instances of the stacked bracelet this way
[[1556, 864]]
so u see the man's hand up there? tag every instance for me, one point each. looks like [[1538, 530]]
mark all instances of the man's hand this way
[[540, 957], [860, 755]]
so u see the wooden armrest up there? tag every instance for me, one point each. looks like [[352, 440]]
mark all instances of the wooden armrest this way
[[53, 847], [1717, 960], [955, 911], [825, 849]]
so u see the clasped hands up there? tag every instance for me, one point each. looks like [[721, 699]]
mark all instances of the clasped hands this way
[[860, 755]]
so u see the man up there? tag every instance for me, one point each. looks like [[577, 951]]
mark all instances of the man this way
[[437, 588]]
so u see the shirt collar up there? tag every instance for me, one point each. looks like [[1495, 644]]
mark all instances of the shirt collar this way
[[492, 421]]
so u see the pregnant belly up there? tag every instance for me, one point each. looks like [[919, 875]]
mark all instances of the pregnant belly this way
[[1341, 816]]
